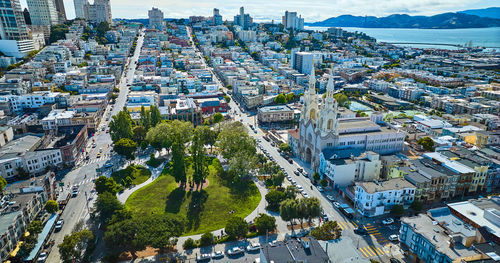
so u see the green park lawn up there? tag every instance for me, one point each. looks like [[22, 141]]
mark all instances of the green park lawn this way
[[137, 173], [204, 210]]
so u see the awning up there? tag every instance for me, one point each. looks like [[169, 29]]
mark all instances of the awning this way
[[13, 253], [42, 236]]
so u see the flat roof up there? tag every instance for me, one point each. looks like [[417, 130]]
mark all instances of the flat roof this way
[[392, 184], [453, 165], [476, 215]]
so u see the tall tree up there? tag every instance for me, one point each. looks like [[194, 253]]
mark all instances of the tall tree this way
[[181, 134], [265, 223], [289, 210], [160, 136], [105, 184], [236, 227], [125, 147], [72, 247], [121, 126], [145, 118], [106, 205], [155, 116], [139, 134], [200, 165]]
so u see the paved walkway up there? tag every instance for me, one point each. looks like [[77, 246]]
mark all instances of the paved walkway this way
[[155, 173]]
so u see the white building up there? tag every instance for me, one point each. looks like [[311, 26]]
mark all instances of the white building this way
[[43, 12], [247, 35], [377, 198], [56, 118], [155, 18], [99, 11], [343, 168], [37, 161], [291, 21]]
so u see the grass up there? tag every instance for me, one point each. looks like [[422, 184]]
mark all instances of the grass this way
[[137, 174], [204, 210]]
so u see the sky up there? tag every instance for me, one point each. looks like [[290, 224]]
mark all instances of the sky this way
[[267, 10]]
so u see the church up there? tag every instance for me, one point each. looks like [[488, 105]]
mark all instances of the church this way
[[321, 130]]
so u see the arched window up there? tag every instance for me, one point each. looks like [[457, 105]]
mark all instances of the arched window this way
[[329, 124]]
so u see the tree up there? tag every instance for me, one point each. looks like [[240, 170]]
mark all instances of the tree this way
[[73, 245], [280, 99], [291, 192], [155, 115], [125, 147], [105, 184], [328, 231], [324, 182], [206, 239], [236, 227], [274, 198], [417, 206], [106, 205], [139, 134], [290, 97], [316, 176], [285, 147], [265, 223], [397, 210], [278, 178], [289, 210], [159, 136], [181, 132], [227, 98], [198, 152], [3, 183], [189, 244], [427, 143], [51, 206], [121, 126], [261, 159], [236, 146], [145, 119], [313, 207], [342, 100], [123, 234], [218, 117], [35, 227]]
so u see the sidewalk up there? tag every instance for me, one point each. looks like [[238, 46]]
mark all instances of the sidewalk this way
[[155, 173]]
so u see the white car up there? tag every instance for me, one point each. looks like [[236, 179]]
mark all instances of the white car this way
[[203, 257], [273, 243], [235, 251], [294, 182], [393, 237], [320, 188], [388, 221], [330, 198], [42, 257], [59, 225], [253, 247], [305, 195], [300, 187], [336, 204], [218, 254]]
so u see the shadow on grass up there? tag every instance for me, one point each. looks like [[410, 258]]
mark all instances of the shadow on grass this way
[[241, 189], [174, 201], [196, 207]]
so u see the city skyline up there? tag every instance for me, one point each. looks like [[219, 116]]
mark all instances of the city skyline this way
[[312, 11]]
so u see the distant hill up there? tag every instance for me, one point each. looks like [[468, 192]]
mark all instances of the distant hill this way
[[492, 12], [441, 21]]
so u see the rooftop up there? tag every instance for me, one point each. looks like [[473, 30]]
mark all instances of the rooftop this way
[[275, 108], [392, 184], [294, 251], [478, 215]]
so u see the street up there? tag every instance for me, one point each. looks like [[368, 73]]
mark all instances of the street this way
[[83, 174]]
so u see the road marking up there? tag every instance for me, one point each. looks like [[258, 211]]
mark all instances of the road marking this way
[[367, 252], [356, 226], [381, 251], [364, 253], [340, 225]]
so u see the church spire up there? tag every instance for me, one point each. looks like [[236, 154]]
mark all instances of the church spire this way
[[312, 80], [330, 87]]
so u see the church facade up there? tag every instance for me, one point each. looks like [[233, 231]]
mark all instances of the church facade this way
[[320, 129]]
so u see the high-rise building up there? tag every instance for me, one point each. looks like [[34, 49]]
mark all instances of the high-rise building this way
[[43, 12], [99, 11], [291, 21], [14, 37], [79, 8], [303, 62], [217, 18], [155, 18], [27, 16], [61, 12], [243, 20]]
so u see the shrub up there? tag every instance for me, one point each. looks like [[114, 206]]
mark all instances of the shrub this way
[[189, 244]]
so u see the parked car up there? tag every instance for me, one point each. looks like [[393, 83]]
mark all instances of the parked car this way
[[42, 257], [320, 188], [305, 195], [203, 257], [59, 225], [388, 221], [253, 247], [330, 198], [361, 231], [296, 173], [300, 169], [273, 243], [299, 187], [235, 251], [336, 205], [218, 254], [394, 260], [290, 161], [75, 193], [394, 238]]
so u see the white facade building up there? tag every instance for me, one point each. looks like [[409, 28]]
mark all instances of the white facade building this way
[[99, 11], [291, 21], [377, 198], [57, 118], [155, 18], [344, 171], [79, 8]]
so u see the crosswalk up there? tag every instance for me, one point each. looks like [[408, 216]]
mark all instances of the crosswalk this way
[[347, 224], [372, 251], [373, 231]]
